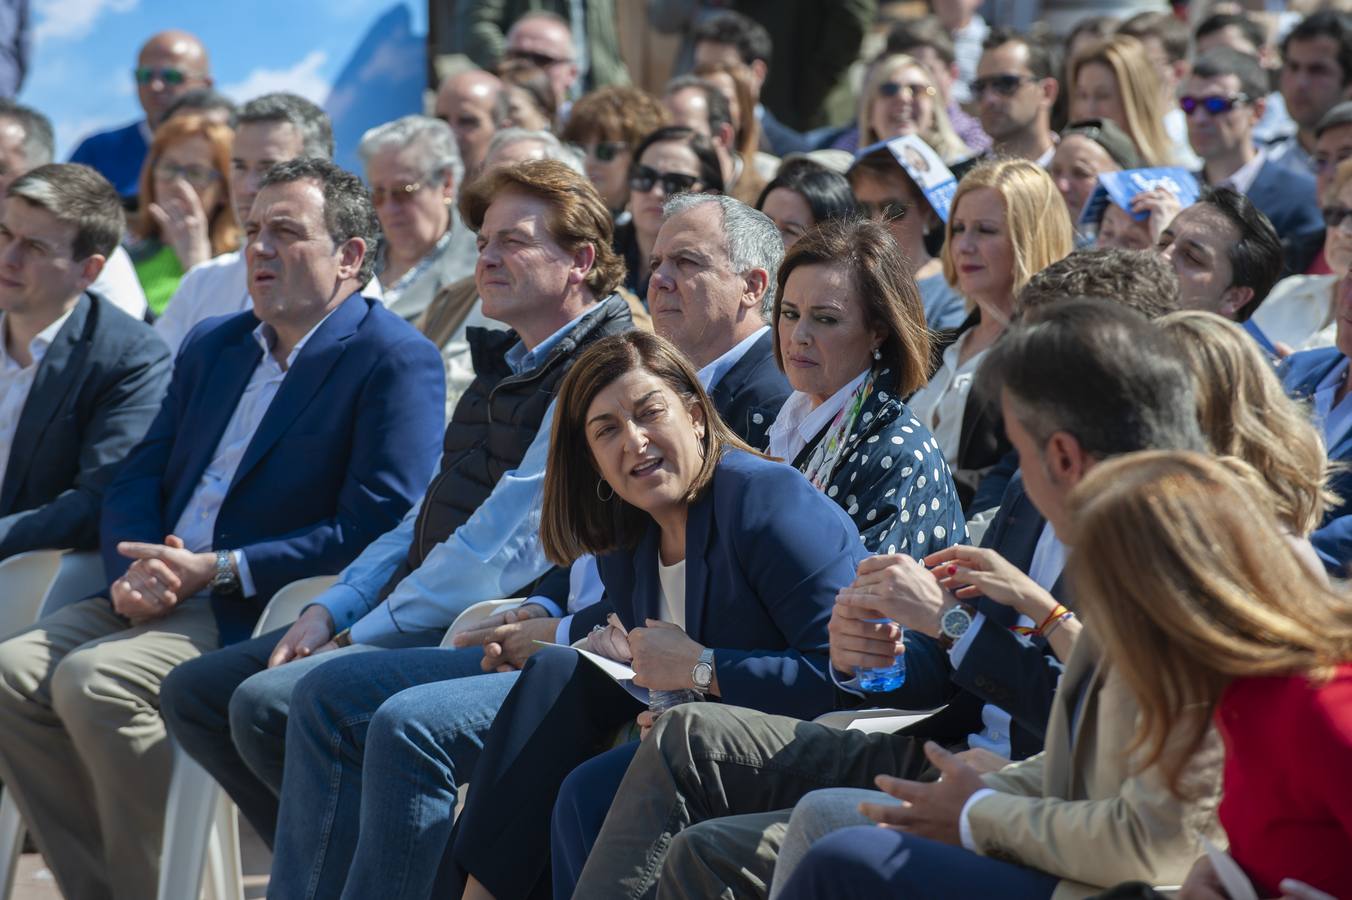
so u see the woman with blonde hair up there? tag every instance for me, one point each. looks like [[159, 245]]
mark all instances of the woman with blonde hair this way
[[1114, 80], [1187, 583], [1006, 223], [899, 98], [184, 216], [1245, 412]]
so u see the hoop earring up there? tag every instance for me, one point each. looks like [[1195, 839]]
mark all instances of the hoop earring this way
[[599, 482]]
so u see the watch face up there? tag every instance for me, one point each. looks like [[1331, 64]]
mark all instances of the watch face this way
[[955, 622], [703, 674]]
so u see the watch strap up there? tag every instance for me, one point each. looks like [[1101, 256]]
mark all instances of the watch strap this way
[[225, 580], [706, 660]]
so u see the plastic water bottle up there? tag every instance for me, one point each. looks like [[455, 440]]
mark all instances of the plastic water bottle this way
[[661, 701], [887, 678]]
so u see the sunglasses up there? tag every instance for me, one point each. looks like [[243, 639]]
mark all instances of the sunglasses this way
[[897, 89], [379, 195], [1336, 216], [887, 211], [1214, 106], [197, 176], [643, 178], [540, 60], [604, 151], [1003, 85], [171, 77]]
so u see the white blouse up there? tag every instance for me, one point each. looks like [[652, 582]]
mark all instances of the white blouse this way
[[939, 404], [798, 423], [1298, 312]]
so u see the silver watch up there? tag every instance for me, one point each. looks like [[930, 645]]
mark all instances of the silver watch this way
[[703, 672], [225, 580], [953, 624]]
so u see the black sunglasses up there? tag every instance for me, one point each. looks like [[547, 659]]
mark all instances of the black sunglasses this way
[[540, 60], [642, 179], [1334, 216], [1213, 105], [887, 211], [604, 151], [1003, 85], [146, 74], [894, 88]]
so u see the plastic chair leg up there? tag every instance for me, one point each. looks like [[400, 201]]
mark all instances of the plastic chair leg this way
[[188, 825]]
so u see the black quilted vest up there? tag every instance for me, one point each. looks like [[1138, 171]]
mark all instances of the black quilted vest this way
[[494, 423]]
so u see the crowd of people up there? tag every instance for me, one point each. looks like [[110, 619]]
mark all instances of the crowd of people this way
[[1010, 390]]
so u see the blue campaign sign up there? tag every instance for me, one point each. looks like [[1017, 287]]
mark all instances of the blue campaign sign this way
[[924, 167], [1121, 187]]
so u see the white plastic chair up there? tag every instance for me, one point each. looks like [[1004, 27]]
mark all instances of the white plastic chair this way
[[472, 616], [200, 853], [33, 584]]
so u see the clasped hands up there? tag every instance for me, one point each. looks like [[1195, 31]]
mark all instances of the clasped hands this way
[[509, 638], [160, 577]]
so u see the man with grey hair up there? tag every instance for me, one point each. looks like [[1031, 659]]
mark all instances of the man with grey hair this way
[[272, 128], [79, 381], [517, 145], [26, 142]]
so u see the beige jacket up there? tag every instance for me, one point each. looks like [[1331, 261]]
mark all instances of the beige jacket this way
[[1080, 811]]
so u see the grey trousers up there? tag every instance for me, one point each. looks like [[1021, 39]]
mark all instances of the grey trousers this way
[[668, 833], [82, 744]]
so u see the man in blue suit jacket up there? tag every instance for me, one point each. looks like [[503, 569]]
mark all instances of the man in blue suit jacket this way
[[79, 380], [1226, 91], [1321, 376], [282, 448]]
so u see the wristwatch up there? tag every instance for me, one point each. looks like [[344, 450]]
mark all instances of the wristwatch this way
[[703, 672], [225, 581], [953, 624]]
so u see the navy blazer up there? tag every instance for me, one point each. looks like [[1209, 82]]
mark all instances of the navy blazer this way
[[1017, 674], [93, 396], [1287, 198], [765, 554], [344, 450], [1332, 540], [750, 394]]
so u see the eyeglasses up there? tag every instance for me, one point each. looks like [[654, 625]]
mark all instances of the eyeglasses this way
[[1003, 85], [1214, 106], [887, 211], [197, 176], [399, 192], [604, 151], [541, 60], [897, 89], [170, 76], [1336, 217], [643, 178]]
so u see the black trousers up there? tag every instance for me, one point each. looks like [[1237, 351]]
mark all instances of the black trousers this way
[[562, 711]]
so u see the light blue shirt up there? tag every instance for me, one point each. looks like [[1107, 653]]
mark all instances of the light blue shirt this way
[[492, 554], [1334, 421]]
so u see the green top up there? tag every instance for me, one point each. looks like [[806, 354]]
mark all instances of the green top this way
[[159, 273]]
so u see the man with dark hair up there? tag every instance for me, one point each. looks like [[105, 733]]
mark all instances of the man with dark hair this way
[[698, 105], [1226, 253], [1140, 281], [79, 381], [205, 102], [170, 64], [1234, 30], [546, 269], [1015, 89], [931, 45], [290, 437], [1224, 99], [26, 142], [1093, 380], [1316, 75], [575, 43], [1332, 145], [731, 38], [272, 128]]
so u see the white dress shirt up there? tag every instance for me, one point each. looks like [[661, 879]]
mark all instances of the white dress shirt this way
[[217, 287], [941, 402], [798, 423], [16, 381], [196, 525], [120, 286]]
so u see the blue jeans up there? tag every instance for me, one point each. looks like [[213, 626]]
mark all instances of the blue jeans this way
[[868, 861], [580, 811], [376, 747]]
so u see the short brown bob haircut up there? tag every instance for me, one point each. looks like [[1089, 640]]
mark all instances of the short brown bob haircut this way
[[577, 214], [884, 285], [575, 520], [614, 113]]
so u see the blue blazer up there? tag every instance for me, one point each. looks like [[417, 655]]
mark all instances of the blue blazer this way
[[750, 394], [93, 396], [1287, 198], [765, 554], [346, 447], [1332, 540]]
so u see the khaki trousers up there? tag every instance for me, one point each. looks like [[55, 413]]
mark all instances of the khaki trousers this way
[[82, 745]]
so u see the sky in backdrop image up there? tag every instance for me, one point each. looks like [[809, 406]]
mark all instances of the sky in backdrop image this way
[[83, 52]]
